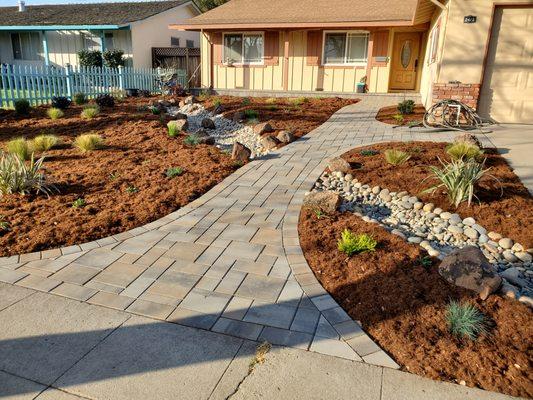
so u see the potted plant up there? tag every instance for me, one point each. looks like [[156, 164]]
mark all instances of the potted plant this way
[[361, 85]]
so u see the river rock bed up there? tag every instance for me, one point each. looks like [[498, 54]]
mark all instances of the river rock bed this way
[[438, 232], [226, 131]]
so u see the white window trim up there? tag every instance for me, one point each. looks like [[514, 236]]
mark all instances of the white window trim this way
[[433, 42], [224, 62], [39, 53], [345, 64]]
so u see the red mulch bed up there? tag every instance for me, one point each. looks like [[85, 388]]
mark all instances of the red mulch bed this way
[[505, 205], [402, 305], [298, 115], [386, 115], [137, 153]]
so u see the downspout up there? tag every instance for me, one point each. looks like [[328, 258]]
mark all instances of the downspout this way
[[45, 49], [438, 4]]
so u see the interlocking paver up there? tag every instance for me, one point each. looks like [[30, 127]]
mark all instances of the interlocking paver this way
[[243, 251], [240, 329], [150, 309], [111, 300], [186, 251], [76, 273], [72, 291], [119, 274], [192, 318], [237, 308], [261, 287], [98, 258], [284, 337], [275, 315], [205, 301]]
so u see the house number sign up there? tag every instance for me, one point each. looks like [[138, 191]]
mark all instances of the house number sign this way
[[470, 19]]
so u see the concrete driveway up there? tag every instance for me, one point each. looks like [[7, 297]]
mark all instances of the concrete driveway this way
[[515, 143]]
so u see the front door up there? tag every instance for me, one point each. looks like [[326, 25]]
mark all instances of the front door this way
[[404, 60]]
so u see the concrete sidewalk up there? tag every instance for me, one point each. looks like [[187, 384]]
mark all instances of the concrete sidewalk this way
[[57, 348]]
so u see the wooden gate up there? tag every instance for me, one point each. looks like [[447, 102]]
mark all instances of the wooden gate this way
[[183, 58]]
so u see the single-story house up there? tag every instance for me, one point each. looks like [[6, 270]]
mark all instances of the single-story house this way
[[477, 51], [54, 34]]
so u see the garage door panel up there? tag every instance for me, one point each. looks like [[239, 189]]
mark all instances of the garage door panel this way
[[507, 91]]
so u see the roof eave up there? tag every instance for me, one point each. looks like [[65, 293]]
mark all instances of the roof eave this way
[[62, 27], [287, 25]]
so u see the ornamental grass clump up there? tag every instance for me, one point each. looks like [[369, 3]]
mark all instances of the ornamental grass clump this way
[[55, 113], [396, 157], [173, 129], [20, 147], [406, 107], [18, 176], [464, 151], [90, 112], [44, 142], [80, 99], [251, 114], [458, 178], [173, 172], [191, 140], [89, 142], [465, 320], [351, 244]]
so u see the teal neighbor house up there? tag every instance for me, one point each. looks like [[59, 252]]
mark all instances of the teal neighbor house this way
[[54, 34]]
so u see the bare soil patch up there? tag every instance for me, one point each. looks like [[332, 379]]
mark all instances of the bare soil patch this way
[[298, 115], [386, 115], [504, 205], [402, 305]]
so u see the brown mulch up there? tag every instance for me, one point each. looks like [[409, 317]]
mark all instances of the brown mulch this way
[[137, 153], [504, 206], [402, 305], [386, 115], [284, 113]]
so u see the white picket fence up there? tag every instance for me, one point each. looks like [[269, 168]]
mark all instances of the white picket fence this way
[[38, 84]]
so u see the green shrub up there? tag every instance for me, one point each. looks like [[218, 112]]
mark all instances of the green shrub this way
[[22, 106], [458, 177], [173, 172], [80, 99], [217, 103], [61, 102], [79, 203], [272, 107], [4, 225], [191, 140], [369, 152], [398, 118], [20, 147], [299, 101], [251, 114], [465, 320], [90, 112], [131, 189], [246, 101], [396, 157], [351, 244], [406, 107], [55, 113], [105, 100], [17, 176], [113, 58], [90, 58], [44, 142], [464, 151], [89, 142], [173, 129], [155, 110]]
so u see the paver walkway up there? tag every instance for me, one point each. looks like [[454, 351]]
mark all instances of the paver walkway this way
[[230, 261]]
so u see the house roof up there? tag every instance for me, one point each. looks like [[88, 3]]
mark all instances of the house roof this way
[[304, 13], [96, 14]]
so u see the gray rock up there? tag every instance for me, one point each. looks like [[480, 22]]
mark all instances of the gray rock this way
[[437, 211], [480, 229], [406, 204], [445, 215], [469, 221], [509, 290], [208, 123], [524, 256], [376, 189], [509, 256], [455, 219], [418, 205], [469, 268], [517, 247], [339, 164], [326, 201], [269, 142], [414, 239], [429, 207], [239, 116], [482, 238], [494, 236], [471, 233], [513, 275], [180, 116], [505, 243], [455, 230]]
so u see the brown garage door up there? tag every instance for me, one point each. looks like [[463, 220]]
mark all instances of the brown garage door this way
[[507, 90]]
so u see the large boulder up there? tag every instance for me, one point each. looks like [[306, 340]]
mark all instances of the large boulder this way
[[468, 268], [180, 116], [239, 116], [269, 142], [240, 153], [326, 201], [262, 128], [190, 100], [285, 136], [339, 164], [181, 124], [208, 123]]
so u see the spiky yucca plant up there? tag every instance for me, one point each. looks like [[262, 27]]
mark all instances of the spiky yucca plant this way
[[396, 157], [464, 151], [17, 176]]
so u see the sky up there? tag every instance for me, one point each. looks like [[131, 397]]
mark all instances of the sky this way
[[33, 2]]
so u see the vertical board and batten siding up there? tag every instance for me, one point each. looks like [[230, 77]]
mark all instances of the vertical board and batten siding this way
[[305, 72], [38, 84]]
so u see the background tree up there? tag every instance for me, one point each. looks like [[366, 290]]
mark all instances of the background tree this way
[[90, 58], [113, 58], [206, 5]]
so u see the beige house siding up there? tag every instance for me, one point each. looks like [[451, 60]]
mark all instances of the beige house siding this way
[[301, 75]]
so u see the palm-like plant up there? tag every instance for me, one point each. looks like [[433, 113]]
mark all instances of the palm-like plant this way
[[17, 176]]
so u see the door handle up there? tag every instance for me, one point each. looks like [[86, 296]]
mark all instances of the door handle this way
[[416, 63]]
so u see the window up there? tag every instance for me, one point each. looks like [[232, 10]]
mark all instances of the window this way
[[434, 45], [174, 41], [345, 48], [190, 44], [243, 48], [108, 41], [27, 46]]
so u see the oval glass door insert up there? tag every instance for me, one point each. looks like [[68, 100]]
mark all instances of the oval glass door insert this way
[[405, 56]]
